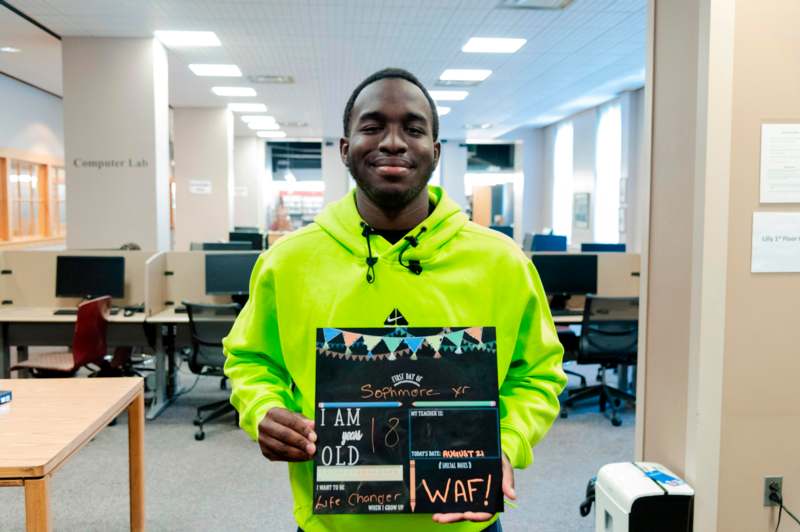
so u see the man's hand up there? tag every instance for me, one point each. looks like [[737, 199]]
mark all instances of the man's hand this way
[[508, 491], [286, 437]]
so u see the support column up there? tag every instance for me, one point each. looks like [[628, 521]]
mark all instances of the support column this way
[[203, 147], [334, 172], [249, 176], [116, 132], [453, 163]]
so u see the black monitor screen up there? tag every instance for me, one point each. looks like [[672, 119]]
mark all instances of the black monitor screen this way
[[567, 274], [226, 246], [256, 240], [229, 273], [90, 276]]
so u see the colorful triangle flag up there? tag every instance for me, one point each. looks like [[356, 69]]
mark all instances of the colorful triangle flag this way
[[371, 341], [413, 342], [350, 338], [475, 332], [456, 338], [330, 334], [392, 342], [435, 341]]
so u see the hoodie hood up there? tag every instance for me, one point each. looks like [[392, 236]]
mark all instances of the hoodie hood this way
[[342, 222]]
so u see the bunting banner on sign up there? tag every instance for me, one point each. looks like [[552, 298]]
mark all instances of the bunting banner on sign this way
[[399, 342]]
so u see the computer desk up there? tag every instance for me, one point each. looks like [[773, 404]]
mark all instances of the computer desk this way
[[38, 326], [172, 332], [49, 420]]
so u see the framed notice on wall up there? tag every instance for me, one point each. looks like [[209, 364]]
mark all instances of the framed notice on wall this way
[[780, 163], [407, 421]]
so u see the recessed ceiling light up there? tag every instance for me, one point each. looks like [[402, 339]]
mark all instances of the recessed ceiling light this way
[[252, 118], [448, 96], [293, 124], [267, 126], [271, 134], [441, 110], [178, 39], [9, 49], [226, 71], [465, 74], [247, 107], [485, 125], [233, 91], [534, 4], [271, 78], [492, 45]]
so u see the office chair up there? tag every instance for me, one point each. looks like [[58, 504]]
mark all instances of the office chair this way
[[88, 344], [208, 325], [609, 337]]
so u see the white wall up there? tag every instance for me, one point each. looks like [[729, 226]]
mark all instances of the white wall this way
[[531, 150], [203, 151], [249, 177], [584, 154], [32, 120], [453, 167], [116, 110], [334, 172]]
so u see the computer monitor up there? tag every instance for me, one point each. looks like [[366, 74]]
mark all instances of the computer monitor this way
[[229, 273], [256, 239], [81, 276], [505, 229], [227, 246], [598, 247], [564, 275], [549, 243], [245, 229]]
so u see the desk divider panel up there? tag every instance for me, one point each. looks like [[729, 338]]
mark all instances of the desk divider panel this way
[[617, 273], [32, 281], [187, 282], [155, 283]]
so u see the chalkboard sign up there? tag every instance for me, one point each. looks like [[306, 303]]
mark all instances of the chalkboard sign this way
[[407, 421]]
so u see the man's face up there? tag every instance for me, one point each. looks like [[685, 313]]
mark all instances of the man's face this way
[[391, 152]]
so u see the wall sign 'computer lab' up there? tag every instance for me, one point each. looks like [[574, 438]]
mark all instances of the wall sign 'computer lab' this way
[[407, 421]]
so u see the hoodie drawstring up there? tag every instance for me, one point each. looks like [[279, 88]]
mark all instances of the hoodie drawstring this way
[[413, 265], [366, 231]]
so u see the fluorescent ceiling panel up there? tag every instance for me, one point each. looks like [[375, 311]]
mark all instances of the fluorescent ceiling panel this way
[[493, 45], [441, 110], [252, 118], [271, 134], [179, 39], [448, 96], [247, 107], [465, 74], [256, 125], [233, 91], [222, 71]]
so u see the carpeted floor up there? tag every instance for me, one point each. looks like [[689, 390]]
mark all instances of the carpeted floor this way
[[224, 484]]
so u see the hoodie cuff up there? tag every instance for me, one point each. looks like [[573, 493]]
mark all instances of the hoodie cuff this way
[[250, 421], [516, 447]]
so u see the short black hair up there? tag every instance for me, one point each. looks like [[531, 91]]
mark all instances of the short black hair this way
[[398, 73]]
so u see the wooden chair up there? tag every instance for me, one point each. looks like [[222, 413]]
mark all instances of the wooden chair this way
[[88, 344]]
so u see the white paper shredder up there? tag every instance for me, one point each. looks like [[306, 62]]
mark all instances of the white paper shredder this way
[[642, 497]]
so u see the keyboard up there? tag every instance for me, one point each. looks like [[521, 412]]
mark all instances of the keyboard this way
[[566, 312], [74, 311]]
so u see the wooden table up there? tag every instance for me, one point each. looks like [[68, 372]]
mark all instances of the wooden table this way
[[49, 420]]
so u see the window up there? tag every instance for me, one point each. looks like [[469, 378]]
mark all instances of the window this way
[[296, 161], [24, 202], [562, 181], [58, 200], [608, 169], [490, 157]]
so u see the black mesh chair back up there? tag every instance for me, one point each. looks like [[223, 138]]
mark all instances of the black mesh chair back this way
[[610, 330], [209, 324]]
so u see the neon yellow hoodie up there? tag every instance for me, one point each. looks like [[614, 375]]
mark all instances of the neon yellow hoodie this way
[[316, 277]]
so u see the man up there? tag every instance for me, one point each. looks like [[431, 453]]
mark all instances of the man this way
[[393, 244]]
